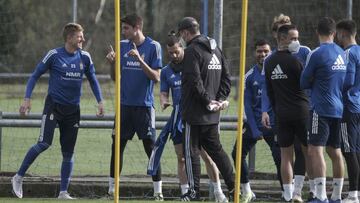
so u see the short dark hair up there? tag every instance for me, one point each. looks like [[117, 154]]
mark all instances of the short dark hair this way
[[261, 42], [70, 29], [326, 26], [284, 30], [172, 39], [347, 25], [190, 24], [133, 20]]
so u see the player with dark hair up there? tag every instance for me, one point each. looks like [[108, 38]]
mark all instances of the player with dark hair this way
[[205, 87], [67, 66], [300, 52], [324, 74], [253, 128], [141, 61], [350, 126], [171, 81], [290, 103]]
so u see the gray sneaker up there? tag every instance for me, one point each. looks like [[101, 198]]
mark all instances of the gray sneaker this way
[[220, 197], [16, 183], [350, 200], [65, 195], [158, 197]]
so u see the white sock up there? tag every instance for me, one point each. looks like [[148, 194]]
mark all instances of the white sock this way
[[184, 188], [288, 190], [353, 194], [312, 185], [157, 186], [298, 184], [320, 188], [111, 180], [337, 188], [245, 188], [217, 186]]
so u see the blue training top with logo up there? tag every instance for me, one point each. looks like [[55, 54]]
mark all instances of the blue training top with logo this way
[[254, 81], [301, 56], [66, 74], [136, 87], [170, 80], [352, 80], [324, 74]]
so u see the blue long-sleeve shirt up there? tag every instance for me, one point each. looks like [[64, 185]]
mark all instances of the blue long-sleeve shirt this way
[[66, 74], [324, 74], [254, 81], [352, 80], [301, 56]]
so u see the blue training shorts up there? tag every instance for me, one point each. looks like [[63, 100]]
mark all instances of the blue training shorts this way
[[324, 131], [139, 120], [350, 132]]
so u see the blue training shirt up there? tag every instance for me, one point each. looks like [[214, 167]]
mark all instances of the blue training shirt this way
[[66, 74], [136, 87], [170, 80], [324, 74], [352, 80], [301, 56], [254, 81]]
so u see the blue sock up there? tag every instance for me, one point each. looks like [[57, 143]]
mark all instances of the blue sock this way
[[31, 155], [66, 169]]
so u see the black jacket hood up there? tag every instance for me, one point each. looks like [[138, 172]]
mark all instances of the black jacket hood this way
[[208, 43]]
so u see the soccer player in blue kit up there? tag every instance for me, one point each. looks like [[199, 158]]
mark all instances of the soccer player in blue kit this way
[[324, 74], [141, 61], [66, 66], [254, 130], [170, 80], [350, 126]]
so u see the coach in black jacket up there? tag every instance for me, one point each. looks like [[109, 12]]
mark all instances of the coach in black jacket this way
[[205, 87]]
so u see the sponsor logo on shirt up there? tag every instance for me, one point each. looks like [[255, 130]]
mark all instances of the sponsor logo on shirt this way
[[133, 63], [172, 76], [73, 74], [278, 74], [339, 64], [214, 63], [64, 65]]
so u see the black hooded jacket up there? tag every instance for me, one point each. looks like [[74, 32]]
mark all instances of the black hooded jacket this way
[[205, 77]]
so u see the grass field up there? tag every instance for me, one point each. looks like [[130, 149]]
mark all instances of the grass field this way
[[92, 153], [36, 200]]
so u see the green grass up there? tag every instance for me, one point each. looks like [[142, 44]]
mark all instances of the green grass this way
[[47, 200], [92, 153]]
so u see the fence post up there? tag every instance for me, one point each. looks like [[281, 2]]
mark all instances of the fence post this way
[[251, 161], [1, 113]]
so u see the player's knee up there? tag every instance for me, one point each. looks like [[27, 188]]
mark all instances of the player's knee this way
[[41, 146], [67, 156], [334, 153]]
